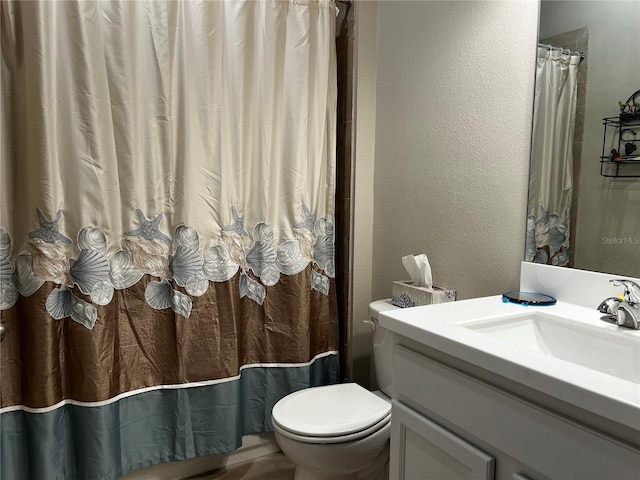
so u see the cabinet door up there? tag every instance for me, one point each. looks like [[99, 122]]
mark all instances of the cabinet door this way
[[423, 450]]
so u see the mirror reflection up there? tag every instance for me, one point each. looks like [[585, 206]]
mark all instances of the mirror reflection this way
[[584, 210]]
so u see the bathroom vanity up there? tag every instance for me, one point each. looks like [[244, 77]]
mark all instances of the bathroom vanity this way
[[490, 390]]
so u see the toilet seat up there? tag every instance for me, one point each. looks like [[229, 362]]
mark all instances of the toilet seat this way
[[331, 414], [334, 439]]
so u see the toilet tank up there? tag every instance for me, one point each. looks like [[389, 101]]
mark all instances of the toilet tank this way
[[382, 347]]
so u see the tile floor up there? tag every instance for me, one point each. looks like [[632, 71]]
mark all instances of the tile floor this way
[[270, 467]]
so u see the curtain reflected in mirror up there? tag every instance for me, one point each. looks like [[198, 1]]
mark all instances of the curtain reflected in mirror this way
[[551, 171]]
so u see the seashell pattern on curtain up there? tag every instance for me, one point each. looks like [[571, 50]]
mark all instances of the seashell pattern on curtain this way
[[97, 276], [146, 252]]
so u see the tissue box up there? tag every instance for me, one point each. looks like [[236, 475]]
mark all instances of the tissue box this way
[[405, 294]]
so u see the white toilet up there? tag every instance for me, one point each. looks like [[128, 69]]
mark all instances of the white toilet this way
[[341, 432]]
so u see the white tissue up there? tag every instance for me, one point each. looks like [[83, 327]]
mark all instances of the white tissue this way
[[418, 269]]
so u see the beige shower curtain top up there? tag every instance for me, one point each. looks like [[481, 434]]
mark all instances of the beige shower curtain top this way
[[130, 147]]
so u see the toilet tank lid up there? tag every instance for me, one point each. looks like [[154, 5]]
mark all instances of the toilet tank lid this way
[[330, 411], [380, 306]]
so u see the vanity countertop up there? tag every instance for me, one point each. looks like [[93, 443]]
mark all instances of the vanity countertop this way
[[449, 328]]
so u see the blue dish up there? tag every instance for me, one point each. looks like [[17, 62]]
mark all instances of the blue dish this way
[[528, 298]]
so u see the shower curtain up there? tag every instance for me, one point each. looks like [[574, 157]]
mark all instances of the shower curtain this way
[[551, 171], [166, 227]]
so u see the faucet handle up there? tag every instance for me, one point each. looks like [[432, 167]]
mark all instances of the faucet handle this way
[[631, 290]]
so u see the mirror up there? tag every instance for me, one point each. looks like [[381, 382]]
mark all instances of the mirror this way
[[605, 214]]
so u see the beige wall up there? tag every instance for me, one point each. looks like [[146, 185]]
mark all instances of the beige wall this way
[[453, 106], [608, 234]]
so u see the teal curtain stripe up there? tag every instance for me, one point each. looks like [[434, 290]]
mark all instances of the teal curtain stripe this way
[[105, 442]]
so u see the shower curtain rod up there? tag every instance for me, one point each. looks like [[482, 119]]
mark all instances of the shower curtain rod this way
[[563, 50]]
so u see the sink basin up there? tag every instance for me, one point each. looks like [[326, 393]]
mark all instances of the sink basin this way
[[602, 349]]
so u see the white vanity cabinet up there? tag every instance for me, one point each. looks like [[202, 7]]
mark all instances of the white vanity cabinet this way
[[451, 423]]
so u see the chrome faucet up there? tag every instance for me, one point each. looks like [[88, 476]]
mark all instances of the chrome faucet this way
[[623, 311]]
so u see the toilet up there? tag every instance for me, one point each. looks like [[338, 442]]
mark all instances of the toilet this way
[[341, 432]]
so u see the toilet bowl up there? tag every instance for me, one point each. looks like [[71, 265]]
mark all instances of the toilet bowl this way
[[341, 432]]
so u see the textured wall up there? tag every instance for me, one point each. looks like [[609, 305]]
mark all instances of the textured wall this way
[[608, 236], [453, 122]]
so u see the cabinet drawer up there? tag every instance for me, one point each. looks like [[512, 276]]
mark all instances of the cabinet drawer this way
[[551, 445]]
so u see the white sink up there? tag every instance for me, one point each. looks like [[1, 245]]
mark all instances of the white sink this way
[[604, 350]]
